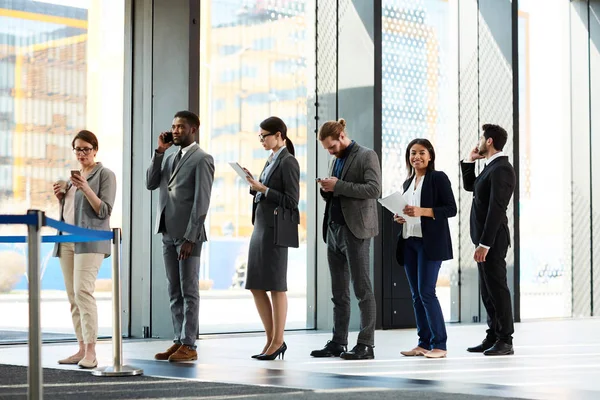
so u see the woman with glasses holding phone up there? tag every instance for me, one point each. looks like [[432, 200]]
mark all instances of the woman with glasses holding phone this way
[[86, 200], [277, 185]]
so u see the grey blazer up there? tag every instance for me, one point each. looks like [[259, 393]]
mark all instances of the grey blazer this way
[[184, 193], [283, 182], [104, 183], [358, 189]]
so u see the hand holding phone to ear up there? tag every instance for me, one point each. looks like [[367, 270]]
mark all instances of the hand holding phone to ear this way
[[474, 154], [165, 140]]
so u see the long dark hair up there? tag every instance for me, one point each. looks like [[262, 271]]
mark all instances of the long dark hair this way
[[425, 143], [274, 125]]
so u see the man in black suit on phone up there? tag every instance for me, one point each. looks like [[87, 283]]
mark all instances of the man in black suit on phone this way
[[492, 191]]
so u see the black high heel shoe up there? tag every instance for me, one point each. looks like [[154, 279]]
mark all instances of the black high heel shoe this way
[[278, 353]]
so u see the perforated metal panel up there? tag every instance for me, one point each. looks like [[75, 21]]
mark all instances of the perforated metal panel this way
[[496, 96], [419, 101]]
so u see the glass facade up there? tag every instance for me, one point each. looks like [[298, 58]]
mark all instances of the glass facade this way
[[420, 98], [254, 64], [446, 68], [61, 71], [545, 162]]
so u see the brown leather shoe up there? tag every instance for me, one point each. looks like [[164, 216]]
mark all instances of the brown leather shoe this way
[[184, 353], [165, 355]]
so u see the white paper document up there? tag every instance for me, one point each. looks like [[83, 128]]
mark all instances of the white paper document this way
[[240, 171], [395, 202]]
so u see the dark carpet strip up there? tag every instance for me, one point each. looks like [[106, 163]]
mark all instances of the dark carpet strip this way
[[71, 385]]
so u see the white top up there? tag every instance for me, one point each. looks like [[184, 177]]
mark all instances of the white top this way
[[413, 198], [69, 209]]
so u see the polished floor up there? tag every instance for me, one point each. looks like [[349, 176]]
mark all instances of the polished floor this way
[[553, 360]]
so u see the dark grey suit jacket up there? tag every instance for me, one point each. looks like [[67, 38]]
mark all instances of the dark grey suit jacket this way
[[104, 183], [283, 182], [358, 190], [184, 193]]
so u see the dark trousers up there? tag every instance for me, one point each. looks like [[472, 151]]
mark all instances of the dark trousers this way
[[348, 259], [183, 289], [495, 294], [422, 277]]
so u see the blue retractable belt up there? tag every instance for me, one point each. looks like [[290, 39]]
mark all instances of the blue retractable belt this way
[[76, 233]]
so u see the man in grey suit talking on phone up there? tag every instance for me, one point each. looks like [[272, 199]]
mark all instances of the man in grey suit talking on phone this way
[[185, 180]]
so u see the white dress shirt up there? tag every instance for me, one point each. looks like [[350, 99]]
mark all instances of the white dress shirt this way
[[185, 149], [413, 198]]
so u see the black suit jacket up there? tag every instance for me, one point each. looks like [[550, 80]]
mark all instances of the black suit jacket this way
[[436, 193], [492, 191], [283, 182]]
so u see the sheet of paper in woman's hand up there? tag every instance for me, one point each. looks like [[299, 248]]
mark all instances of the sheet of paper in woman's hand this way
[[240, 171], [395, 202]]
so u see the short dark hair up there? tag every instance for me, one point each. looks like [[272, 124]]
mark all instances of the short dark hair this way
[[425, 143], [189, 116], [497, 133], [86, 136]]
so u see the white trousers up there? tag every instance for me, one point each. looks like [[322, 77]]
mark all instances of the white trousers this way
[[80, 272]]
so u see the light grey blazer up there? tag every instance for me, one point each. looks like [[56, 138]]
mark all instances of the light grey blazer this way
[[184, 193], [358, 189], [104, 183]]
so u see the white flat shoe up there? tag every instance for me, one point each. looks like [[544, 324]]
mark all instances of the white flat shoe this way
[[88, 364], [71, 360], [436, 353]]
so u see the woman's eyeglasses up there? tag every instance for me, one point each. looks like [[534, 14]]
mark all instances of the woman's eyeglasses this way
[[262, 137], [82, 150]]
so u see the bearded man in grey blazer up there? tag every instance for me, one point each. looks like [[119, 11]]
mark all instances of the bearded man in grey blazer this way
[[350, 221], [185, 180]]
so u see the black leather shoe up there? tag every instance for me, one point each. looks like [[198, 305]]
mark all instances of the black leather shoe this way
[[331, 349], [480, 348], [500, 349], [359, 352]]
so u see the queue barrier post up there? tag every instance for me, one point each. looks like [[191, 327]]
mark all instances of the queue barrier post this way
[[35, 389], [117, 369]]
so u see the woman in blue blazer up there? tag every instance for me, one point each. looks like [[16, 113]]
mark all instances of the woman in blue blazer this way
[[423, 245]]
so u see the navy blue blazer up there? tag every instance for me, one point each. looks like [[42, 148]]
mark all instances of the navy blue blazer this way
[[436, 193]]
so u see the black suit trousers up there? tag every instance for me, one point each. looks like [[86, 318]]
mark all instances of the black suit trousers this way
[[494, 289]]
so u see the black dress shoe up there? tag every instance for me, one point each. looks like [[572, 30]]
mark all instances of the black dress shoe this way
[[331, 349], [480, 348], [359, 352], [500, 349]]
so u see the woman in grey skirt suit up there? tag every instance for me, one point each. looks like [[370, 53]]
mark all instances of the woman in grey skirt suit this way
[[278, 185]]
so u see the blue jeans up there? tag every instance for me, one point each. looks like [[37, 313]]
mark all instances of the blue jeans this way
[[422, 276]]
